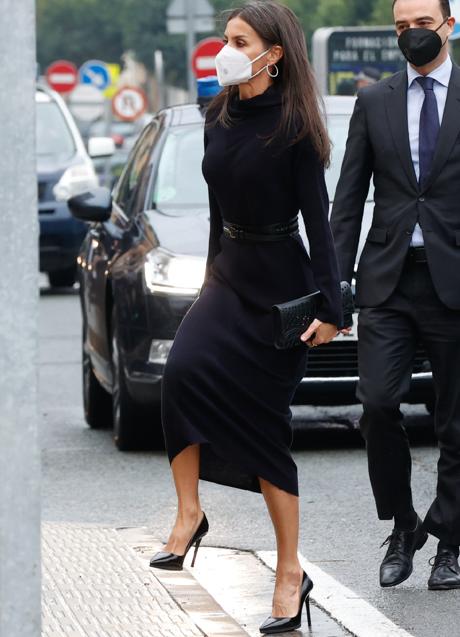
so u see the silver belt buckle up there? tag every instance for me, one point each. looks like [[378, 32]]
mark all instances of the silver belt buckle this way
[[232, 232]]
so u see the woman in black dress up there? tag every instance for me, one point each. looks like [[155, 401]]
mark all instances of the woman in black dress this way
[[226, 389]]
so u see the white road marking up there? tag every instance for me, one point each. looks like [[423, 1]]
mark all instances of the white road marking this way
[[342, 604]]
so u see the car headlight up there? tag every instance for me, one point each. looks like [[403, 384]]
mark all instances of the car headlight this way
[[173, 274], [75, 181]]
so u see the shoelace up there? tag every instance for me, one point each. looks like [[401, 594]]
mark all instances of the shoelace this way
[[443, 559], [395, 542]]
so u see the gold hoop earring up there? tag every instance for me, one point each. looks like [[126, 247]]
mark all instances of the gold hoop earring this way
[[276, 69]]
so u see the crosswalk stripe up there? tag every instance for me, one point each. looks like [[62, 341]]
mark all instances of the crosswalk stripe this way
[[351, 611]]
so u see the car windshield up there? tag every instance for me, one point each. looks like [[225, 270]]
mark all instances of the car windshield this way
[[180, 183], [53, 135], [337, 126]]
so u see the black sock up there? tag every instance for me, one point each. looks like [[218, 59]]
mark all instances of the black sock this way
[[448, 547], [406, 521]]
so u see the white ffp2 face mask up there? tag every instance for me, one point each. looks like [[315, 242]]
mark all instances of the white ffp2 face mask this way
[[235, 67]]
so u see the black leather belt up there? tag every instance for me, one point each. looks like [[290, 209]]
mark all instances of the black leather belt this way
[[271, 232], [417, 254]]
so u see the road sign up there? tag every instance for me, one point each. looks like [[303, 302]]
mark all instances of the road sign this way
[[339, 53], [190, 17], [204, 55], [114, 70], [95, 73], [86, 103], [183, 15], [62, 76], [129, 103]]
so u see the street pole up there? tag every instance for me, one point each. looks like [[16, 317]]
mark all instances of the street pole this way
[[107, 132], [160, 78], [19, 455], [190, 17], [190, 22]]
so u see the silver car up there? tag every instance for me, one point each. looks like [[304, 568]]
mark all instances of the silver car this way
[[64, 169]]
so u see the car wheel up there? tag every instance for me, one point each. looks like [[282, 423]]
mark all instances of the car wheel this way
[[97, 403], [62, 278], [129, 419]]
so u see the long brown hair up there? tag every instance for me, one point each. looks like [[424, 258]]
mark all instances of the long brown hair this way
[[278, 25]]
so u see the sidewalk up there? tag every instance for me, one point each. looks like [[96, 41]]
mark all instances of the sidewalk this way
[[97, 583]]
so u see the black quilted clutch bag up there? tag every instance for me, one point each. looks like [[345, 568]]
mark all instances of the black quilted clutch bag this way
[[293, 318]]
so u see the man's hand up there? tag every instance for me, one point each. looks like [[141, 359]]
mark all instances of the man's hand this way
[[319, 333]]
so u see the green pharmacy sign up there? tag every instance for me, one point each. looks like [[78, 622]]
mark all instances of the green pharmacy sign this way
[[344, 54]]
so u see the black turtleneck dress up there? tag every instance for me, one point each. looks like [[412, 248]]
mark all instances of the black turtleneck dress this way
[[225, 385]]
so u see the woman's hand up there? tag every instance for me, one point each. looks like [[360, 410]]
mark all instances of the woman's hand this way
[[319, 333]]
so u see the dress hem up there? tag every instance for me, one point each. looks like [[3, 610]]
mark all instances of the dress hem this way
[[254, 486]]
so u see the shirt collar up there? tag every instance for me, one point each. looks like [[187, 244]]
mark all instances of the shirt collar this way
[[441, 74]]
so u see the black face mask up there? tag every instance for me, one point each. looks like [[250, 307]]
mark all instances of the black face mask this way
[[421, 46]]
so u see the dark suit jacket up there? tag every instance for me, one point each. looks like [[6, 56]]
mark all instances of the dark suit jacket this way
[[378, 144]]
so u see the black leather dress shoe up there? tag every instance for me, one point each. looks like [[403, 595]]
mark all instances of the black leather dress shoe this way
[[173, 562], [397, 563], [445, 573], [275, 625]]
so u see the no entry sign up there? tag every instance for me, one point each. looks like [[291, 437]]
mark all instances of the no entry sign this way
[[62, 76], [129, 103], [204, 55]]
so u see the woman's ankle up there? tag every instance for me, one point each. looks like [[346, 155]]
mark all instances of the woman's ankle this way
[[289, 569], [190, 513]]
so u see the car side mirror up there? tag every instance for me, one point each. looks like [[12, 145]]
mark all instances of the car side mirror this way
[[101, 147], [95, 205]]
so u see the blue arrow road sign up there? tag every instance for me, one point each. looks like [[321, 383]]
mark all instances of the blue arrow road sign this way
[[96, 73]]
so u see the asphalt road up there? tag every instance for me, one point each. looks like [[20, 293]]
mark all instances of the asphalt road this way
[[86, 480]]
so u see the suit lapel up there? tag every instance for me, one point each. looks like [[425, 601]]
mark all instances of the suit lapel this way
[[396, 107], [450, 127]]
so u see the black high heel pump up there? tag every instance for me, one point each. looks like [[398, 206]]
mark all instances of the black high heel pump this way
[[173, 562], [274, 625]]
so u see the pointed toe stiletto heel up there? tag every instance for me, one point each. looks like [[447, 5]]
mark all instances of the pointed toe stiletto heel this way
[[173, 562], [307, 606], [274, 625], [197, 546]]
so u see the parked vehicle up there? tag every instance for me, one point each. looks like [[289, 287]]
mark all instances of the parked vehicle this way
[[142, 265], [124, 135], [64, 169]]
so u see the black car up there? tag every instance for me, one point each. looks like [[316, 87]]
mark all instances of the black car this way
[[142, 264]]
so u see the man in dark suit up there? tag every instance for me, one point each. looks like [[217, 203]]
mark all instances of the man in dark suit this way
[[405, 131]]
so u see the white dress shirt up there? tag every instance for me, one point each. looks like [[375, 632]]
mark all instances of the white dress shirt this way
[[415, 99]]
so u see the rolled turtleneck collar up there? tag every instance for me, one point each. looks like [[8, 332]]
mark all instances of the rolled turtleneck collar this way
[[270, 97]]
